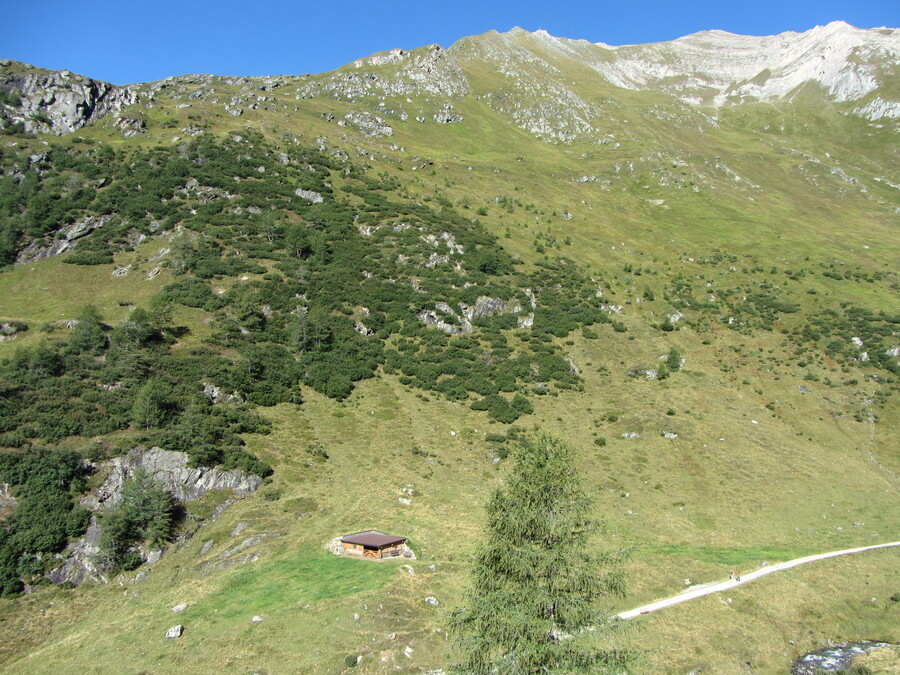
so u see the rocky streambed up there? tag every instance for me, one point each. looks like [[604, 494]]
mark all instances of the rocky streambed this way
[[834, 659]]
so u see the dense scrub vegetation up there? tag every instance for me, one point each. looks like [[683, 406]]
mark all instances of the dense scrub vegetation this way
[[338, 280], [105, 380], [44, 483]]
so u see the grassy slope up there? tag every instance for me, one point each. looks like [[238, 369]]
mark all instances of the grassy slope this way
[[797, 481]]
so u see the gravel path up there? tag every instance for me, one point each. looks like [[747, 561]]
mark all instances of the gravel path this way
[[716, 587]]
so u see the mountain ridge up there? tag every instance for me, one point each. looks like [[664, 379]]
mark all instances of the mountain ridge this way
[[850, 64], [707, 60]]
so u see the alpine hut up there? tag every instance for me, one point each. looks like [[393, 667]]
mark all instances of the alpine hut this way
[[373, 544]]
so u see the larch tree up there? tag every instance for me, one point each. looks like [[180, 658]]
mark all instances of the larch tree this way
[[538, 581], [88, 334]]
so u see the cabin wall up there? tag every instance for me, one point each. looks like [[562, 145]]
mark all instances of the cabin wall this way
[[362, 551]]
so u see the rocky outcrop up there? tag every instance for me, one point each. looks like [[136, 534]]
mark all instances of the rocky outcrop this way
[[171, 469], [447, 116], [311, 195], [60, 102], [63, 241], [131, 126], [7, 501], [9, 330], [427, 70], [369, 124], [218, 395], [878, 109], [462, 321], [238, 554], [80, 559]]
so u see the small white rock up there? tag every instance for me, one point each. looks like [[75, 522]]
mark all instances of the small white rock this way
[[180, 608]]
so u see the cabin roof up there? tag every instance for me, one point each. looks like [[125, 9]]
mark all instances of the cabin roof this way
[[372, 539]]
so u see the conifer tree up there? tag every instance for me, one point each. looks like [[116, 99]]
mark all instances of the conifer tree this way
[[151, 405], [88, 334], [146, 514], [537, 579]]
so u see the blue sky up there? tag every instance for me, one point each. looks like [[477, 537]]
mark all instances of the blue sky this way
[[124, 42]]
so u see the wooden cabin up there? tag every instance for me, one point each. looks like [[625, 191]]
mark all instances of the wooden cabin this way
[[373, 544]]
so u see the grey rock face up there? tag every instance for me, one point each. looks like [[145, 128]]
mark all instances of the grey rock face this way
[[10, 331], [231, 556], [61, 102], [311, 195], [81, 563], [172, 471], [64, 240], [446, 116], [175, 631]]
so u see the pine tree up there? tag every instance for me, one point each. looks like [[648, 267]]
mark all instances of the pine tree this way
[[537, 580]]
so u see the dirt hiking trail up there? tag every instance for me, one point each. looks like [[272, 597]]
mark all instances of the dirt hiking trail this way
[[716, 587]]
